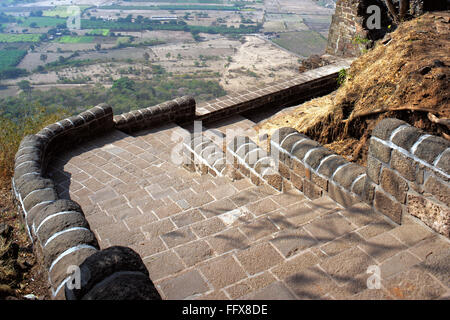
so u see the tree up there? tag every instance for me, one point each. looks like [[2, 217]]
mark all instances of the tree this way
[[403, 9], [25, 86], [123, 84]]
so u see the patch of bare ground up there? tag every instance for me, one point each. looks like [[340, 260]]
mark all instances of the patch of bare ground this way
[[20, 274], [405, 76]]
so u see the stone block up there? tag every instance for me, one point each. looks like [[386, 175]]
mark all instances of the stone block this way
[[394, 185], [406, 166], [385, 128], [430, 148], [380, 151], [406, 137], [439, 189], [316, 156], [59, 223], [432, 214], [346, 175], [329, 166], [311, 190], [64, 241], [38, 196], [103, 264], [36, 217], [284, 171], [388, 206], [302, 148], [444, 162], [35, 184], [124, 286]]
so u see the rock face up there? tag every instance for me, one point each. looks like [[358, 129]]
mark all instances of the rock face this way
[[349, 32]]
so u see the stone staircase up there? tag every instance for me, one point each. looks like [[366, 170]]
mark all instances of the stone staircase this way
[[282, 245], [236, 233]]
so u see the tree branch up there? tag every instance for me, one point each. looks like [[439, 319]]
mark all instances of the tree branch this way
[[392, 10]]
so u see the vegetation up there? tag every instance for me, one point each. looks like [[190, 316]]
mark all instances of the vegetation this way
[[61, 11], [8, 60], [12, 132], [76, 39], [174, 7], [11, 58], [9, 38], [342, 76], [99, 32], [173, 26], [42, 22], [125, 95]]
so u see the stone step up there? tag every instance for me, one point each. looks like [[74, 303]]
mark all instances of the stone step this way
[[361, 255]]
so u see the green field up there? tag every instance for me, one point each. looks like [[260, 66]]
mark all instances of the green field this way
[[99, 32], [10, 58], [9, 38], [75, 39], [42, 22]]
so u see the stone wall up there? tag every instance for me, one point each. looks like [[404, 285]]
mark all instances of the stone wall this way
[[254, 162], [349, 22], [315, 170], [201, 154], [58, 228], [409, 173], [181, 109]]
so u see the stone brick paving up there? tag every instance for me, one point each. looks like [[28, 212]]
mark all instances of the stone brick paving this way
[[204, 237]]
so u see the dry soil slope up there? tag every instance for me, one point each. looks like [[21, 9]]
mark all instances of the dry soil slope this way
[[406, 75]]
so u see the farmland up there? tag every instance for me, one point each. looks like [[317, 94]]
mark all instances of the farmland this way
[[10, 58], [175, 7], [10, 38], [99, 32], [42, 21], [311, 42], [177, 46], [76, 39], [61, 11]]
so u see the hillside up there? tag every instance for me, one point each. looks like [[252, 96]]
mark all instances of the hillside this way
[[406, 76]]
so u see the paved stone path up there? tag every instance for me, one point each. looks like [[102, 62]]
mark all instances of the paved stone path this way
[[204, 237]]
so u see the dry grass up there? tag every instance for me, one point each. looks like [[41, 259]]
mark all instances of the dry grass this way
[[405, 79], [12, 132], [19, 272]]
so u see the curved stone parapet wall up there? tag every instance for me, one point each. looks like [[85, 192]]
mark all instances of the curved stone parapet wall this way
[[58, 228], [201, 154], [178, 110], [409, 172], [254, 162], [316, 170]]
